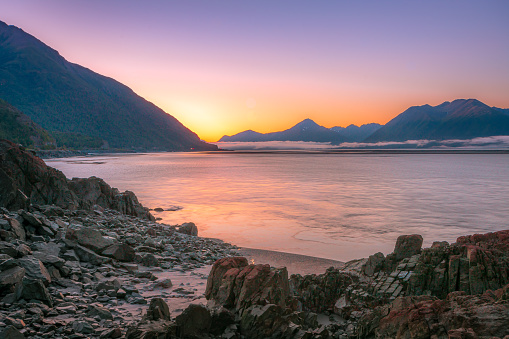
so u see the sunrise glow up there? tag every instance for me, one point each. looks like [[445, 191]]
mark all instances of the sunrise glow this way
[[221, 70]]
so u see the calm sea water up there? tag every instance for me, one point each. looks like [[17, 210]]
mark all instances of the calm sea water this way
[[334, 206]]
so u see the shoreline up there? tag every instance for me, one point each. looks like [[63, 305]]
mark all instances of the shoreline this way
[[294, 263]]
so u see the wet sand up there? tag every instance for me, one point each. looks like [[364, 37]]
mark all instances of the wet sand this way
[[295, 263]]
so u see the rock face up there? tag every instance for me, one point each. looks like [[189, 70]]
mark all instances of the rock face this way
[[319, 293], [234, 283], [474, 264], [457, 316], [25, 179]]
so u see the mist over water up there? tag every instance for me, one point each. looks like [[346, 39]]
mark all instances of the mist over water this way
[[337, 206]]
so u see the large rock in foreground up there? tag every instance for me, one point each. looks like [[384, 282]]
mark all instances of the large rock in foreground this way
[[458, 316], [234, 283], [25, 179]]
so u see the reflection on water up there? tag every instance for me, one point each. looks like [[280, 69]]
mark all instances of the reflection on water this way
[[333, 206]]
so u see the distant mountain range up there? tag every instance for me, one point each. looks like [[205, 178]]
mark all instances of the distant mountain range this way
[[461, 119], [64, 97], [308, 130]]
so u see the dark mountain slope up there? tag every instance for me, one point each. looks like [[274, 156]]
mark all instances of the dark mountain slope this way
[[19, 128], [65, 97], [460, 119]]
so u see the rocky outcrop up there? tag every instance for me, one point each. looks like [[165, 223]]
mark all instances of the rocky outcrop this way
[[474, 264], [25, 179], [457, 316], [319, 293], [234, 283]]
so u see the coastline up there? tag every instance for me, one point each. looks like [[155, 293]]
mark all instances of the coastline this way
[[294, 263]]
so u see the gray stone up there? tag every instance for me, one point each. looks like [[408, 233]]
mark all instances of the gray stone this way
[[99, 311], [35, 269], [373, 264], [11, 277], [86, 255], [34, 289], [49, 259], [149, 260], [11, 332], [17, 228], [90, 238], [158, 309], [82, 327], [188, 228], [195, 320], [407, 246], [121, 252]]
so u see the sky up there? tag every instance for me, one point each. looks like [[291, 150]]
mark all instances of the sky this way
[[222, 67]]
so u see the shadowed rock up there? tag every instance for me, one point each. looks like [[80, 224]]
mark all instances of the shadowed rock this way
[[194, 321], [233, 283], [89, 237], [25, 179], [158, 310], [121, 252], [189, 228]]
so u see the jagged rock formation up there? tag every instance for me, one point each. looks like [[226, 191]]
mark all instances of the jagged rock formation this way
[[25, 179], [446, 291]]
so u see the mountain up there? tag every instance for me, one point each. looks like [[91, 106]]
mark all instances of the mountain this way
[[355, 133], [19, 128], [306, 130], [65, 97], [460, 119]]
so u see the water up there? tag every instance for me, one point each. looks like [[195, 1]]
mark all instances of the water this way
[[335, 206]]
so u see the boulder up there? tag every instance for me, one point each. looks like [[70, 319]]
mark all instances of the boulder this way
[[121, 252], [11, 332], [86, 255], [194, 321], [152, 330], [9, 249], [407, 246], [319, 293], [34, 289], [260, 322], [35, 269], [82, 327], [17, 228], [89, 237], [188, 228], [233, 284], [458, 316], [217, 275], [49, 259], [374, 264], [149, 260], [25, 179], [158, 309], [11, 277], [99, 311]]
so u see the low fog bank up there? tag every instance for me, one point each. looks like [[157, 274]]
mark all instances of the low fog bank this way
[[495, 142]]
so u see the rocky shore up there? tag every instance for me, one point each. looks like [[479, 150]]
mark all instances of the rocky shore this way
[[79, 259]]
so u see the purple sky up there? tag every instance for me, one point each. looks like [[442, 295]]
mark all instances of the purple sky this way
[[221, 67]]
